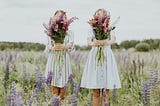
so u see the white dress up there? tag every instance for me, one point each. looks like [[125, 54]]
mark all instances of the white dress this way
[[58, 64], [100, 76]]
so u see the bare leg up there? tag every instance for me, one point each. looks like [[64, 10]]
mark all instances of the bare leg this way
[[96, 97], [55, 90], [62, 93], [105, 96]]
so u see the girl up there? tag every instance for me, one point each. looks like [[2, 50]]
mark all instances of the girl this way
[[100, 72], [58, 68]]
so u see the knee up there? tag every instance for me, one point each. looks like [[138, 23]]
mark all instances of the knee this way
[[55, 91], [62, 93], [96, 93]]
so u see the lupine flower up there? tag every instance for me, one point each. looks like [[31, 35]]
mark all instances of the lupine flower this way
[[55, 101], [74, 100], [6, 77], [154, 77], [40, 81], [76, 88], [75, 94], [29, 102], [146, 93], [19, 100], [70, 78], [66, 86], [106, 104], [12, 97], [35, 95], [49, 78]]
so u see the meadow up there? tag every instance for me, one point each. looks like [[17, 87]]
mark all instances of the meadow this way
[[22, 80]]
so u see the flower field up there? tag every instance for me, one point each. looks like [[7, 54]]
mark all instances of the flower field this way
[[22, 80]]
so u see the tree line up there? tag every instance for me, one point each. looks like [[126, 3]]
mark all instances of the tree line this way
[[144, 45]]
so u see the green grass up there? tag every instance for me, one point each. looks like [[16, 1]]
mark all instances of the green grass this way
[[133, 70]]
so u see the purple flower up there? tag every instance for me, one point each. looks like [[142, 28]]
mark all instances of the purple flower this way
[[154, 77], [6, 77], [74, 101], [75, 94], [55, 101], [29, 102], [70, 78], [49, 78], [66, 86], [19, 100], [146, 93], [76, 88], [106, 104]]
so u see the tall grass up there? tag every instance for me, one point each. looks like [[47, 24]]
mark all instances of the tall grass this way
[[22, 80]]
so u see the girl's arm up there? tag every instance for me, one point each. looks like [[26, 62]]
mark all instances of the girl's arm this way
[[107, 41], [91, 43]]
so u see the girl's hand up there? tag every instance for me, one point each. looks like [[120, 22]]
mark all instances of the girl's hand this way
[[62, 47], [58, 47], [49, 47], [101, 42], [68, 46]]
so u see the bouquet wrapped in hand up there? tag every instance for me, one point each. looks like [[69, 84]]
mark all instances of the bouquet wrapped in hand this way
[[101, 30]]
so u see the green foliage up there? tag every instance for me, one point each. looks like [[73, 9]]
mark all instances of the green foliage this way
[[100, 34], [142, 47], [154, 43], [23, 46], [131, 77], [59, 36], [129, 44]]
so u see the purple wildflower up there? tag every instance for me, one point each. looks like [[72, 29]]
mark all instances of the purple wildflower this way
[[75, 94], [40, 80], [29, 102], [19, 100], [6, 77], [55, 101], [49, 78], [154, 77], [146, 93], [70, 78], [106, 104]]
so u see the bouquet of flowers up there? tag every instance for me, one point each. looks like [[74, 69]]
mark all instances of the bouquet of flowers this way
[[58, 27], [101, 30]]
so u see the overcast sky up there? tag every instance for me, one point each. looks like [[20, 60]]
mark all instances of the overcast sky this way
[[21, 20]]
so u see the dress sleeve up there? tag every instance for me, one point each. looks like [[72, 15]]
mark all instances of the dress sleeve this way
[[48, 43], [70, 39], [91, 35]]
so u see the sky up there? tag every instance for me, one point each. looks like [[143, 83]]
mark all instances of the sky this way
[[21, 20]]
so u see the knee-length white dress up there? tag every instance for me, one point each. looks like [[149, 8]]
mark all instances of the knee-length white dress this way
[[101, 76], [58, 66]]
